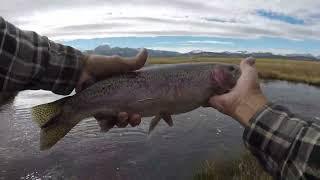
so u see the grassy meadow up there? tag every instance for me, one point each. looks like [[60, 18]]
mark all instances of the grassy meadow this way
[[278, 69]]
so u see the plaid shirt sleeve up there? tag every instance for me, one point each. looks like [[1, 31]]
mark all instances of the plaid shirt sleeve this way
[[287, 146], [30, 61]]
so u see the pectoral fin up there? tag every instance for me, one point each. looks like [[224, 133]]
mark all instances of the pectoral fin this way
[[168, 119], [106, 122], [154, 122]]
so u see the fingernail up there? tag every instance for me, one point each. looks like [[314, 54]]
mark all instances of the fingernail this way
[[136, 119], [251, 61]]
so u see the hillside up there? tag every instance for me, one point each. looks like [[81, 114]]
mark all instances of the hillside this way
[[127, 52]]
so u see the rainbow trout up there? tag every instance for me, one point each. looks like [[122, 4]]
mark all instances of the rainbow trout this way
[[159, 91]]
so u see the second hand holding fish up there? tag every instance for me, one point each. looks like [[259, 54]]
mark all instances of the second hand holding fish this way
[[98, 67]]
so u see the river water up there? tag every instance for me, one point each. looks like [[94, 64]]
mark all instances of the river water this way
[[130, 153]]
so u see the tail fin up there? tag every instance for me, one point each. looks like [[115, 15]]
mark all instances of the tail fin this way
[[53, 123]]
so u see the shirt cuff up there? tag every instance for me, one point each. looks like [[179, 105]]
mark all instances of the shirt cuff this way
[[270, 135], [62, 69]]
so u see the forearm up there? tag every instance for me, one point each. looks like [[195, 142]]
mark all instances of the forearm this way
[[31, 61], [61, 71], [284, 144]]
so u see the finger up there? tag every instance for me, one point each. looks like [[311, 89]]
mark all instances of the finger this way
[[248, 62], [251, 61], [123, 116], [139, 61], [122, 119], [101, 67], [135, 120]]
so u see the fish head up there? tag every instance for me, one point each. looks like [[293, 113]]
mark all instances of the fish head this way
[[224, 77]]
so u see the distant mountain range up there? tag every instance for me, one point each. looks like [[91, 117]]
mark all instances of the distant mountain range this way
[[127, 52], [242, 54]]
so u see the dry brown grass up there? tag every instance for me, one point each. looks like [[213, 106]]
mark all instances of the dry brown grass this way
[[289, 70], [245, 167]]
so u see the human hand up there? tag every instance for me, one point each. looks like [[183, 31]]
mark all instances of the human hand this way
[[245, 99], [97, 67]]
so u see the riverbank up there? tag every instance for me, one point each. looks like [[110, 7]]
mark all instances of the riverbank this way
[[275, 69]]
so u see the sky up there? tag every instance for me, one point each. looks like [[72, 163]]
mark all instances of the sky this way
[[278, 26]]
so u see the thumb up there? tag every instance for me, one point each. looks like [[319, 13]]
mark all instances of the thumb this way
[[247, 63], [138, 61], [101, 67]]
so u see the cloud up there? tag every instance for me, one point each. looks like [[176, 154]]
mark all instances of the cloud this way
[[211, 42], [60, 19]]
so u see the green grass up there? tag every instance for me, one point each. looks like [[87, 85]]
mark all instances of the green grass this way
[[279, 69], [245, 167]]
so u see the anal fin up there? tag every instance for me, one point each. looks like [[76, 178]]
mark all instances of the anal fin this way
[[106, 122], [154, 123]]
